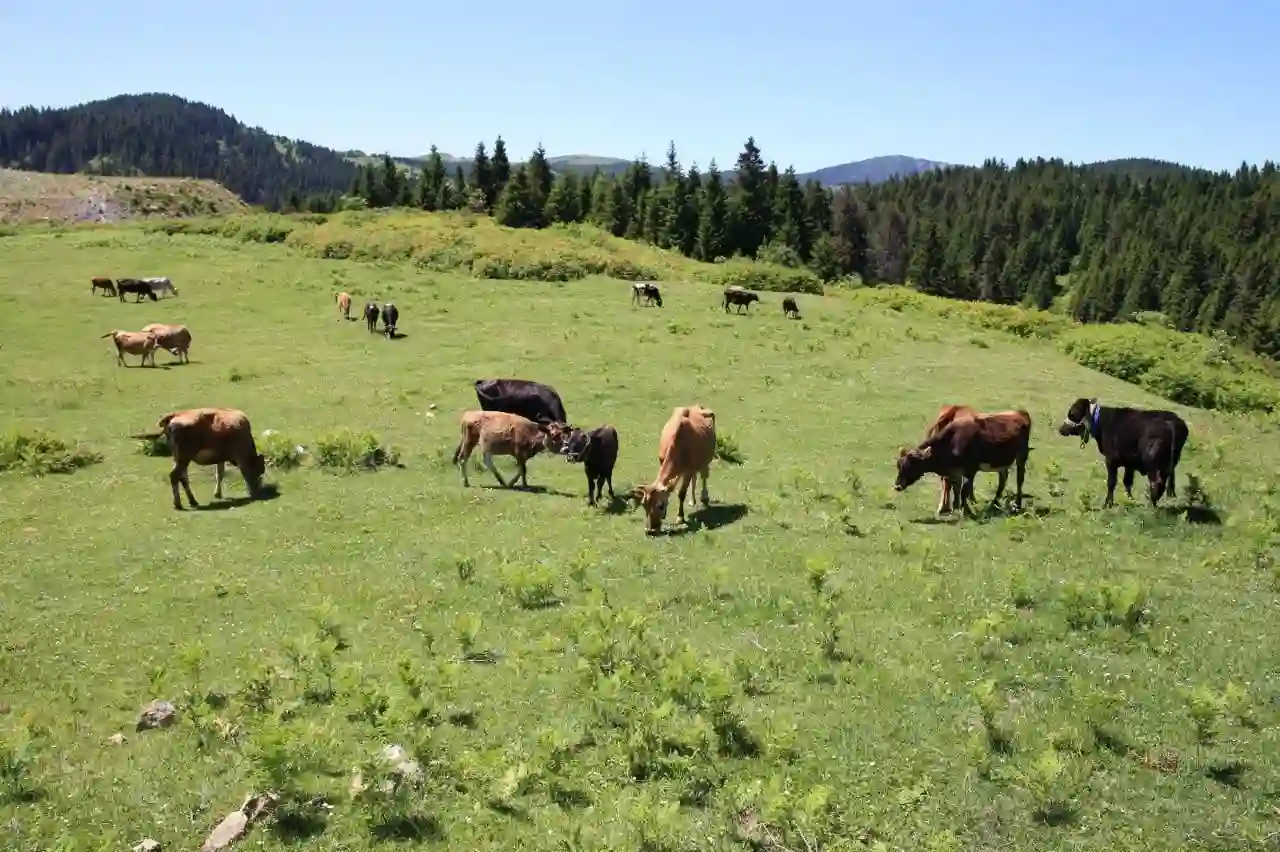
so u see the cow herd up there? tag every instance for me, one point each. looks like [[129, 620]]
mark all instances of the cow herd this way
[[522, 418]]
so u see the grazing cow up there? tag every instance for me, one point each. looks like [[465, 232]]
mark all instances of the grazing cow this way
[[105, 284], [161, 285], [344, 305], [947, 500], [966, 445], [134, 343], [208, 436], [371, 316], [790, 308], [646, 290], [685, 451], [597, 450], [538, 402], [390, 317], [175, 338], [138, 288], [504, 434], [1139, 440], [739, 297]]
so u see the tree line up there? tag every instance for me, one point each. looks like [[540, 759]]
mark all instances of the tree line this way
[[1187, 248]]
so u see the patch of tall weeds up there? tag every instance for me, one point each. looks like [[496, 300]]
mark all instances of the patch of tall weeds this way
[[38, 453]]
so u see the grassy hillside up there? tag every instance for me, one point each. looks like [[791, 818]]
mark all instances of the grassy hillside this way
[[37, 197], [815, 663], [476, 245]]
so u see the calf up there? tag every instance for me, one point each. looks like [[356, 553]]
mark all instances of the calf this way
[[790, 308], [134, 343], [161, 285], [991, 442], [138, 288], [646, 290], [686, 449], [534, 400], [597, 450], [105, 284], [504, 434], [344, 305], [947, 500], [1142, 441], [738, 297], [175, 338], [210, 436], [390, 317], [371, 316]]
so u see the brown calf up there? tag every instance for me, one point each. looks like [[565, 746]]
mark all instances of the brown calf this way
[[206, 436], [344, 304], [105, 284], [990, 442], [499, 433], [685, 451], [947, 500], [135, 343], [174, 338]]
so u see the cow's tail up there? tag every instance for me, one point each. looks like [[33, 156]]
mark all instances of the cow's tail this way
[[108, 334], [1173, 451]]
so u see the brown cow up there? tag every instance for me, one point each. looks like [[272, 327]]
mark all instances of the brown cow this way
[[135, 343], [102, 284], [966, 445], [344, 305], [946, 500], [505, 434], [210, 436], [685, 451], [174, 338]]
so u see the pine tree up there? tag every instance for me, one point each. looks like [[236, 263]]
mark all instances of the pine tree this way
[[713, 221], [564, 200], [750, 203], [690, 213], [517, 207], [500, 166], [392, 181], [792, 226], [540, 174], [849, 234], [433, 178], [586, 190], [928, 262], [482, 177], [670, 203]]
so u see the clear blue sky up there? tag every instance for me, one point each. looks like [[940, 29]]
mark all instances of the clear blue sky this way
[[817, 83]]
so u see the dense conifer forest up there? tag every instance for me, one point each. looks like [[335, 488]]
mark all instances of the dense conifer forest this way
[[1127, 240]]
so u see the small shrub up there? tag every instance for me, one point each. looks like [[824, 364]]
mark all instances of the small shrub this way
[[532, 588], [157, 447], [38, 453], [352, 451], [727, 449], [280, 452], [1053, 782], [17, 766]]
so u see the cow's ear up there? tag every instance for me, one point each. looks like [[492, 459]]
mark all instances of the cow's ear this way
[[637, 494], [903, 452]]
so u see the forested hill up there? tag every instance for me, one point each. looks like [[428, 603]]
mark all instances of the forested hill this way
[[1202, 249], [167, 136]]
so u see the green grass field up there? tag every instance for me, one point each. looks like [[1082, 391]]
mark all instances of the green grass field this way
[[816, 664]]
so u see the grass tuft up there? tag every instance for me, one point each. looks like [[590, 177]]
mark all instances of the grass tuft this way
[[39, 453]]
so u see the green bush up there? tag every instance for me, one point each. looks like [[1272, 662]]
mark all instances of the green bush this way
[[38, 453], [761, 276], [352, 451]]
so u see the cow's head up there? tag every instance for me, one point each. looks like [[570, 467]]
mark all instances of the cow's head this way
[[912, 464], [1079, 420], [256, 469], [654, 500], [576, 446], [555, 435], [657, 297]]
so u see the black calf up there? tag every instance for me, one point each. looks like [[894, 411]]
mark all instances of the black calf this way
[[597, 450]]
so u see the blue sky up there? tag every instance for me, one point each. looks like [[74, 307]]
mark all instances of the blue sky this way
[[817, 83]]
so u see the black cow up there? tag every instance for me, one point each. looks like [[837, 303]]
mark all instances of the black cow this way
[[738, 297], [138, 288], [1138, 440], [597, 450], [390, 316], [790, 308], [648, 291], [533, 400], [371, 316]]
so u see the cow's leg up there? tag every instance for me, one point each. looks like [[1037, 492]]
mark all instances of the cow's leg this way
[[706, 497], [591, 492], [1128, 482], [221, 473], [1112, 470], [684, 489], [488, 462], [944, 496], [1155, 486], [1020, 472], [522, 471], [962, 483], [1173, 488], [609, 479], [179, 475], [1002, 477]]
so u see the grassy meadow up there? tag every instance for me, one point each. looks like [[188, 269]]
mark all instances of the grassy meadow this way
[[815, 663]]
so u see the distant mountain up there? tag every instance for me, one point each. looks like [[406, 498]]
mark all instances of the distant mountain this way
[[874, 170], [161, 135]]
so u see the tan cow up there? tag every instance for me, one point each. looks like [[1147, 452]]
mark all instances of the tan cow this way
[[135, 343], [174, 338], [685, 452], [344, 305], [499, 433], [208, 436]]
